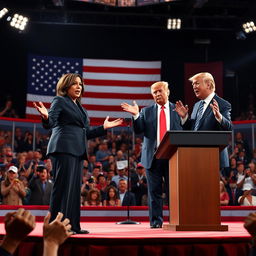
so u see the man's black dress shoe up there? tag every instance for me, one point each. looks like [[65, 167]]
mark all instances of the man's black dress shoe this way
[[156, 225]]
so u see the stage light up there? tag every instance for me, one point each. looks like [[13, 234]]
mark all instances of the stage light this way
[[249, 27], [19, 21], [3, 12], [174, 24]]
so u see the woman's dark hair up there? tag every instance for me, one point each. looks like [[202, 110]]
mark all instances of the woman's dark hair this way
[[116, 196], [67, 81]]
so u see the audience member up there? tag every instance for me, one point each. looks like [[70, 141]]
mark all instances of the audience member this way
[[233, 192], [12, 189], [121, 166], [112, 197], [93, 198], [139, 184], [126, 197], [224, 197], [247, 199], [40, 187]]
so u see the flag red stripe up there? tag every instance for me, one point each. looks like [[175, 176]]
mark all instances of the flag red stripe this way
[[127, 96], [120, 83], [155, 71], [30, 104]]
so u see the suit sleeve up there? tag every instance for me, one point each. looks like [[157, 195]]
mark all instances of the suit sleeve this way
[[93, 132], [226, 117], [138, 124], [54, 113]]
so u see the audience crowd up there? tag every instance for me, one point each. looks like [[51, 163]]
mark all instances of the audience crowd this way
[[26, 177]]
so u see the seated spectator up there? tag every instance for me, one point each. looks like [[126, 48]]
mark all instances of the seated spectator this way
[[12, 189], [126, 197], [110, 175], [102, 186], [112, 197], [248, 180], [224, 197], [139, 183], [247, 199], [93, 198], [121, 167], [102, 155], [233, 192], [40, 187]]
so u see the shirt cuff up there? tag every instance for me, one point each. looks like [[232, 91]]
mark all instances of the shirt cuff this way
[[183, 120]]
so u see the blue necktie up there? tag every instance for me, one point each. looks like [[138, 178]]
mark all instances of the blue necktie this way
[[199, 114]]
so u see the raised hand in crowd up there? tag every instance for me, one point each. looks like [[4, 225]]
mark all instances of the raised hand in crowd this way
[[55, 233], [18, 225]]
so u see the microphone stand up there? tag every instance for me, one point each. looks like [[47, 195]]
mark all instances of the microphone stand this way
[[128, 221]]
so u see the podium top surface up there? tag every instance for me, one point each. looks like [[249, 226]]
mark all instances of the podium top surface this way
[[180, 138]]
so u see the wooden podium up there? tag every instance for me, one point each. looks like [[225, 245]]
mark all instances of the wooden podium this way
[[194, 178]]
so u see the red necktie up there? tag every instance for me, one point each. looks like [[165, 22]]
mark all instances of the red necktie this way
[[162, 122]]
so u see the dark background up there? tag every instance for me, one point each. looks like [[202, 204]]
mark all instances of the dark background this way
[[116, 41]]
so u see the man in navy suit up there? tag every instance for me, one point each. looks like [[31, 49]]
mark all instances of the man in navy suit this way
[[211, 113], [148, 121]]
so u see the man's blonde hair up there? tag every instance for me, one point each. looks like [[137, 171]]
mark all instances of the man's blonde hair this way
[[163, 84], [207, 77]]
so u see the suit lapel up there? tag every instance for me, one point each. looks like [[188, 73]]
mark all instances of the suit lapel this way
[[77, 110], [206, 113]]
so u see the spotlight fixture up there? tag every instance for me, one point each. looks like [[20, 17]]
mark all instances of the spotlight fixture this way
[[174, 24], [19, 21], [249, 27], [3, 12]]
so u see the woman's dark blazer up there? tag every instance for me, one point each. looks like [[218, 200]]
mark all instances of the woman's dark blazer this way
[[70, 127]]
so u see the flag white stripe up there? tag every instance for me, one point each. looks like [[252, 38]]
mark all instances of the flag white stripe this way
[[122, 77], [92, 101], [117, 89], [121, 63]]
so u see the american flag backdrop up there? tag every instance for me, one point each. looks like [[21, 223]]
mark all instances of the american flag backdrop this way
[[107, 83]]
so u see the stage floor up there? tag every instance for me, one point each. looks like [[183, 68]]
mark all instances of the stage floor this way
[[109, 238], [105, 230]]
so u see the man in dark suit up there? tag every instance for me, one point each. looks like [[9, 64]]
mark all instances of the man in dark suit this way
[[139, 183], [126, 197], [40, 187], [211, 113], [154, 121]]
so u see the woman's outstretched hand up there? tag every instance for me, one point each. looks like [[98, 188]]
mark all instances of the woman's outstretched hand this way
[[41, 109], [110, 124]]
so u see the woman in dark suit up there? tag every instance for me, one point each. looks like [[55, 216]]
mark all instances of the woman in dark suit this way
[[67, 147]]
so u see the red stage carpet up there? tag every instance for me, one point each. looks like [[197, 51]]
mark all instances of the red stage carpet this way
[[108, 238]]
